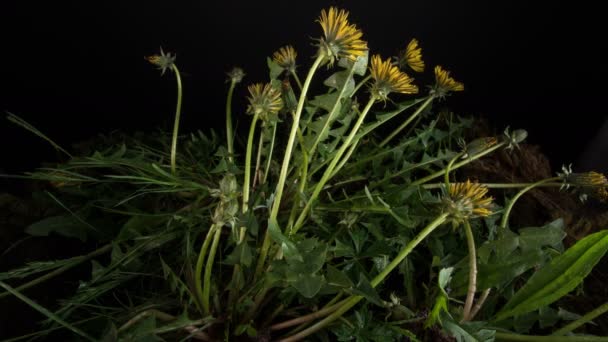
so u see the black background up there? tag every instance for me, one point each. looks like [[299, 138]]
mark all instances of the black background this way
[[75, 68]]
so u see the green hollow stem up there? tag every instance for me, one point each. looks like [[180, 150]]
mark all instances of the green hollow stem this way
[[588, 317], [330, 169], [448, 169], [198, 270], [332, 114], [307, 318], [361, 84], [407, 122], [457, 165], [468, 304], [295, 77], [302, 182], [209, 269], [292, 137], [258, 159], [278, 194], [482, 299], [352, 149], [501, 336], [270, 150], [229, 132], [178, 111], [50, 275], [505, 217], [353, 300], [247, 179]]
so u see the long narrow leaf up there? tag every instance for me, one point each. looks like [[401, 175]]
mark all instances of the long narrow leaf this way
[[558, 278], [45, 312]]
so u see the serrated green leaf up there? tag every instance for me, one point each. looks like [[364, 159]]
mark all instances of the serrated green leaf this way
[[64, 225], [290, 251], [497, 273], [325, 101], [341, 79], [360, 64], [308, 285], [241, 254], [275, 70], [468, 334], [137, 226], [313, 255], [535, 237], [364, 288], [337, 278], [445, 276], [559, 277]]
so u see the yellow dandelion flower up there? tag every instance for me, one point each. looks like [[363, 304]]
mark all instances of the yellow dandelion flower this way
[[388, 78], [264, 100], [466, 200], [342, 39], [286, 58], [444, 83], [411, 57]]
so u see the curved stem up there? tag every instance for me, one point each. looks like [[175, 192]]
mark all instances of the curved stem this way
[[307, 318], [278, 194], [247, 179], [295, 77], [588, 317], [468, 304], [198, 270], [208, 269], [229, 133], [337, 169], [361, 84], [479, 304], [439, 220], [292, 136], [178, 111], [509, 207], [258, 161], [270, 150], [449, 168], [353, 300], [407, 122], [332, 114], [457, 165], [302, 182], [328, 172]]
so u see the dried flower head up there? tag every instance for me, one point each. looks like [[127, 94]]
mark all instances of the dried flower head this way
[[236, 75], [388, 78], [477, 146], [341, 39], [286, 58], [464, 201], [264, 100], [591, 183], [444, 83], [162, 61], [411, 57]]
